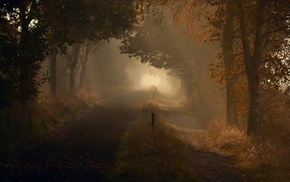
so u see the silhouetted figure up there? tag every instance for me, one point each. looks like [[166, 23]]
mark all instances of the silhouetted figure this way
[[154, 92]]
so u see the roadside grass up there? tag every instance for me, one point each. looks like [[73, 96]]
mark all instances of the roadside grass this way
[[21, 122], [151, 154], [261, 159]]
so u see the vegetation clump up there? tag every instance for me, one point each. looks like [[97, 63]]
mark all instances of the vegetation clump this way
[[263, 159], [151, 154], [20, 122]]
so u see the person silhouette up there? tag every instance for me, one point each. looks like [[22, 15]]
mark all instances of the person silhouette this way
[[154, 92]]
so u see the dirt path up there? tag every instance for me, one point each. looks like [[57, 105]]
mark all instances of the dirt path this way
[[83, 150], [209, 166]]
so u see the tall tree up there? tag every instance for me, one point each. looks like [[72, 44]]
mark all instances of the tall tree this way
[[22, 49], [260, 28], [78, 21], [228, 37], [254, 45], [185, 57]]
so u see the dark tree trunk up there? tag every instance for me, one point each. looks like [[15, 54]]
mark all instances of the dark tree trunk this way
[[83, 75], [25, 87], [228, 54], [53, 70], [73, 67], [84, 64], [252, 63], [254, 122]]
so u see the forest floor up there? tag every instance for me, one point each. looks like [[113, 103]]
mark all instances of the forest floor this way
[[85, 150]]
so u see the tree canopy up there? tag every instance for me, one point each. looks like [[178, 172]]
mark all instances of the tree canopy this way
[[23, 46], [30, 29], [252, 36]]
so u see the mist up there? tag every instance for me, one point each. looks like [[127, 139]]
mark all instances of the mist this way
[[179, 79], [114, 77], [150, 90]]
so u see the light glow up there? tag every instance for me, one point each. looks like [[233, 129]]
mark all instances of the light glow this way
[[148, 81]]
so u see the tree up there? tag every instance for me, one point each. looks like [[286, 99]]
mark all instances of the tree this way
[[162, 47], [259, 33], [253, 47], [84, 57], [78, 21], [22, 49], [253, 29]]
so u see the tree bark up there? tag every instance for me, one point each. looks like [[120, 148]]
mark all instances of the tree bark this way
[[254, 121], [25, 87], [228, 54], [84, 64], [252, 62], [53, 69], [73, 67]]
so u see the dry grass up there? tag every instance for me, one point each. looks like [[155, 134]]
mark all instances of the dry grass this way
[[262, 159], [21, 121], [151, 154]]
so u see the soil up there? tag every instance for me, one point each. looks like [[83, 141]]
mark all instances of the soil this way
[[85, 150], [82, 150], [207, 164]]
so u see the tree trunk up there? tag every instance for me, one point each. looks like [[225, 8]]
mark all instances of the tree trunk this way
[[53, 70], [252, 63], [254, 123], [25, 87], [228, 54], [84, 64], [73, 67], [83, 75]]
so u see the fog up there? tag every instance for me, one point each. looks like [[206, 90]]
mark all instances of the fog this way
[[176, 75], [106, 90], [115, 77]]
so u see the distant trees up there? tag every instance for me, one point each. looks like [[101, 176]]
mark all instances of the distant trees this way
[[79, 21], [31, 29], [186, 58], [251, 33]]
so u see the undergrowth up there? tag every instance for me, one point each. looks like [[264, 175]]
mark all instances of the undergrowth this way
[[23, 121], [262, 159], [151, 154]]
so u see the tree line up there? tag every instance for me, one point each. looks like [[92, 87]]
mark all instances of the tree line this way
[[253, 40], [31, 30], [251, 37]]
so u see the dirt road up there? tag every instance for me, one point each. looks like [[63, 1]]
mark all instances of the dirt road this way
[[82, 150], [208, 165]]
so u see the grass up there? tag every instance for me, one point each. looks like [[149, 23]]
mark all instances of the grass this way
[[261, 159], [21, 122], [151, 154]]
